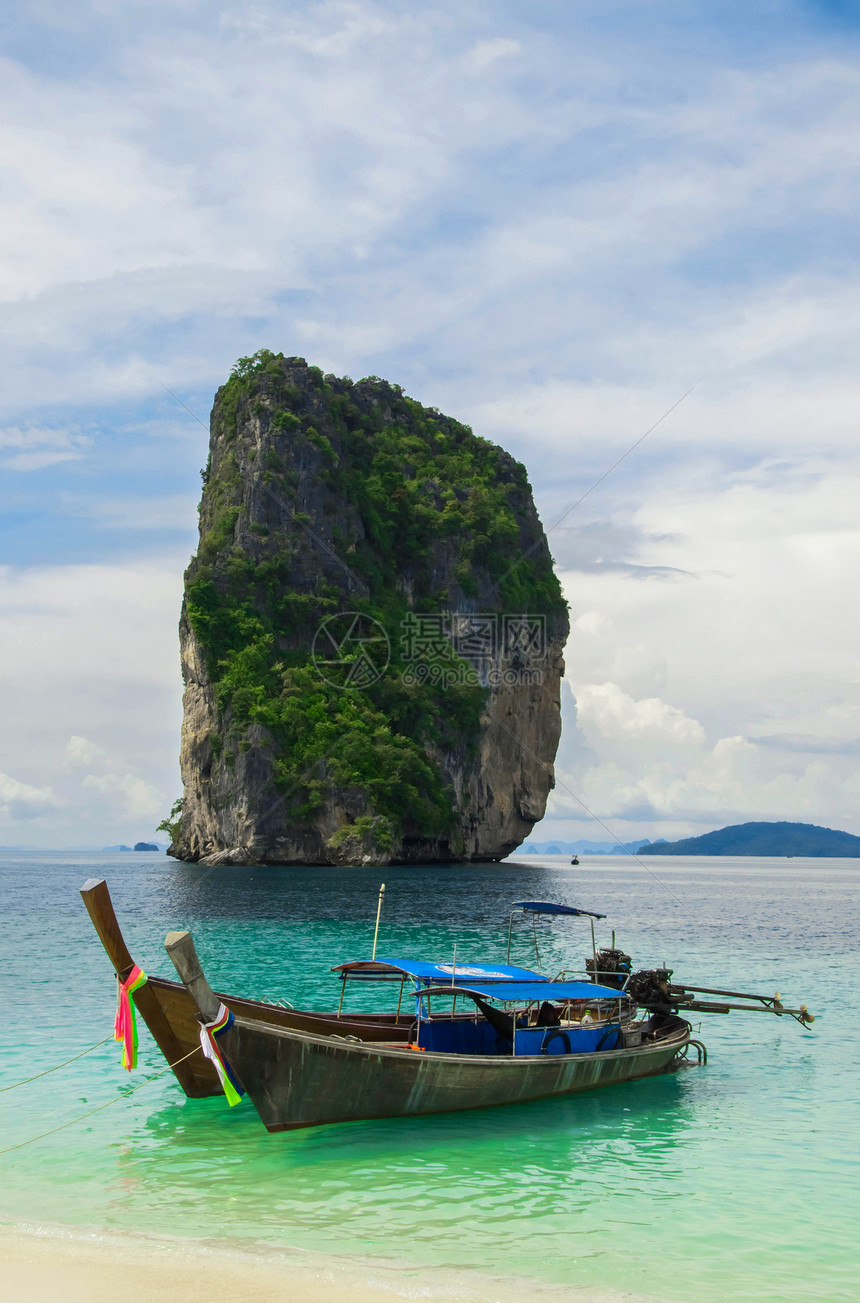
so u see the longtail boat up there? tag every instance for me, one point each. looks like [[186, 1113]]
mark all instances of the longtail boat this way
[[170, 1013], [522, 1036], [559, 1038], [527, 1037]]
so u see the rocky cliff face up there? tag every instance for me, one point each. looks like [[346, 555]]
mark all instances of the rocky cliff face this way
[[371, 635]]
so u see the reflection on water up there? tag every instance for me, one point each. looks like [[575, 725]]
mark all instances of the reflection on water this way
[[541, 1170], [734, 1179]]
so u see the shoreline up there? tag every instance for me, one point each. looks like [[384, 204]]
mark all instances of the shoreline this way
[[44, 1264]]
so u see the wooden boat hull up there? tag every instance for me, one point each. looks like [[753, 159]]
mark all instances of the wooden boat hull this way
[[296, 1079], [170, 1013], [178, 1012]]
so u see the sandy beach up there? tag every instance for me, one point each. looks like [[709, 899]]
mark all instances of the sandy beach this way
[[42, 1268], [52, 1266]]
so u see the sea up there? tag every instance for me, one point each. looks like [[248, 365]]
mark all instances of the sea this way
[[737, 1180]]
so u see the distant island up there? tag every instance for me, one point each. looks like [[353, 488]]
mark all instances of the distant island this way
[[805, 839], [138, 846], [583, 847]]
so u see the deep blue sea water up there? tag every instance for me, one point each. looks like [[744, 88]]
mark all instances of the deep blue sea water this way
[[735, 1181]]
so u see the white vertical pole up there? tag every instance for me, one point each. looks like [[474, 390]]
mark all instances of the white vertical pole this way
[[378, 912]]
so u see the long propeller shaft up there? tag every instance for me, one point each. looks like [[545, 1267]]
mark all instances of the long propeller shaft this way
[[767, 1003]]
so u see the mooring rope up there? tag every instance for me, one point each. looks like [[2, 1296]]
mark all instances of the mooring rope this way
[[44, 1134], [36, 1077]]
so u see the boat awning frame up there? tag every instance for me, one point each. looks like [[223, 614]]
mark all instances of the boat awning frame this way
[[548, 907], [535, 907], [527, 992], [440, 975]]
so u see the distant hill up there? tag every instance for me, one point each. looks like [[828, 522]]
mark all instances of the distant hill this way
[[805, 839], [582, 847], [72, 850]]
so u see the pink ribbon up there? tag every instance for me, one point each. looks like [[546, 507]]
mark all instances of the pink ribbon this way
[[125, 1024]]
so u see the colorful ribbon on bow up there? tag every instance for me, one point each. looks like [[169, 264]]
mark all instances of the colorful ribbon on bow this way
[[208, 1032], [125, 1023]]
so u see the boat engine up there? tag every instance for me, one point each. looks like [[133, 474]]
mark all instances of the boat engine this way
[[651, 988], [612, 968]]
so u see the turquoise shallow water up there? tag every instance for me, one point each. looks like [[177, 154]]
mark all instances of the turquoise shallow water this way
[[739, 1180]]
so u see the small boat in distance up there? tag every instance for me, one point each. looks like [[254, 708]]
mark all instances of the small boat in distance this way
[[575, 859]]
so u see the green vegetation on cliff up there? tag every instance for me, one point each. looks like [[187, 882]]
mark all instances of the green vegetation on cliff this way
[[321, 496], [413, 475]]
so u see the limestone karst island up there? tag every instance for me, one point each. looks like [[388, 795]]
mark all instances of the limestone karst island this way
[[371, 633]]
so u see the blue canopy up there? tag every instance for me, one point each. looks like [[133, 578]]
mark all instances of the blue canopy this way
[[438, 974], [522, 992], [546, 907]]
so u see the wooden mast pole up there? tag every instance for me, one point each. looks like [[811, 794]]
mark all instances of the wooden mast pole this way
[[96, 897], [378, 912]]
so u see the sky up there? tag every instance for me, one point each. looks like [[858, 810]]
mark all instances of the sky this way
[[553, 221]]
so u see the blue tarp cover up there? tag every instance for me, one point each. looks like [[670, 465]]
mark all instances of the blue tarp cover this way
[[522, 992], [439, 974], [547, 907]]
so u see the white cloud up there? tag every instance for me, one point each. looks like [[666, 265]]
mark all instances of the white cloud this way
[[173, 511], [114, 624], [727, 686], [730, 689], [81, 753], [225, 166], [40, 447], [14, 437], [543, 231], [90, 698], [485, 53], [757, 594], [607, 714], [731, 781], [36, 461], [126, 795], [21, 801], [645, 761]]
